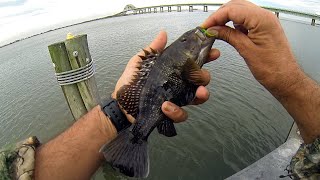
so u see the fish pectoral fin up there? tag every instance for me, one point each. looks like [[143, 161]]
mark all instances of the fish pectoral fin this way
[[191, 71], [167, 128], [128, 98]]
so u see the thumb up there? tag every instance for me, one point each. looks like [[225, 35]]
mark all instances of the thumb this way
[[236, 38], [159, 42]]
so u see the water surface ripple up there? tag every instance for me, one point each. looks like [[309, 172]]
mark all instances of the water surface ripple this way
[[238, 125]]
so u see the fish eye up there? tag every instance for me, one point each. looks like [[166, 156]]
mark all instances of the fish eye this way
[[183, 39]]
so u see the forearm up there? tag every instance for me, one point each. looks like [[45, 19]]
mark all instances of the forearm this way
[[301, 98], [74, 154]]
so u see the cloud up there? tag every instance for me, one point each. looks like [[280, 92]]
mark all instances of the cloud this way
[[23, 19], [311, 6], [20, 18], [6, 3], [31, 11]]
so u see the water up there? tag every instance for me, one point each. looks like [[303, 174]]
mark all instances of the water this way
[[238, 125]]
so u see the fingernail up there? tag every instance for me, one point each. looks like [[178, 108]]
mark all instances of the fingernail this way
[[170, 107], [213, 31]]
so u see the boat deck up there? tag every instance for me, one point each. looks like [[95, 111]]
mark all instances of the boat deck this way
[[273, 164]]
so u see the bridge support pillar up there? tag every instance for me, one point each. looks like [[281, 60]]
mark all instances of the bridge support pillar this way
[[169, 8], [154, 10], [205, 8], [179, 8], [190, 8], [277, 14], [161, 8], [313, 22]]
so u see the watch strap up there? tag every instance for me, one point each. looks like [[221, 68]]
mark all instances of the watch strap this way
[[111, 108]]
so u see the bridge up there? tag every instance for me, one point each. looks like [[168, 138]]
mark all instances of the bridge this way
[[132, 10]]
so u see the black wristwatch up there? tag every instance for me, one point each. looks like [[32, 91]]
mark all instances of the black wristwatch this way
[[111, 109]]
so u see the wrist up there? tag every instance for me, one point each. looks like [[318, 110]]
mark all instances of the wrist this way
[[104, 125], [301, 101], [80, 143], [287, 82]]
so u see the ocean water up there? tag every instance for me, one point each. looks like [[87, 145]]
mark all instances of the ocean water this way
[[240, 123]]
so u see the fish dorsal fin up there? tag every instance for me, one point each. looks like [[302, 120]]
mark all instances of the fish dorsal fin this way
[[129, 95], [191, 71]]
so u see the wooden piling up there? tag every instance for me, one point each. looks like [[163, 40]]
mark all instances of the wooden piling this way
[[60, 60], [69, 55], [87, 89]]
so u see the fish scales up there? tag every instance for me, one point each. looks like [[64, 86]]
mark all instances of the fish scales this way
[[153, 95], [173, 75]]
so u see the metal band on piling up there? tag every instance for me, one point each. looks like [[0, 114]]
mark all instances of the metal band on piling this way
[[76, 75]]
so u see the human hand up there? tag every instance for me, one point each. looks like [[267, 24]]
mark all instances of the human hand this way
[[174, 112], [261, 41]]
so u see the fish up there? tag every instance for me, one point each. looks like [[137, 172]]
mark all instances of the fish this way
[[172, 75]]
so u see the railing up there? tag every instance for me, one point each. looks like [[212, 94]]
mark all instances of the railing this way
[[154, 9], [132, 10], [312, 16]]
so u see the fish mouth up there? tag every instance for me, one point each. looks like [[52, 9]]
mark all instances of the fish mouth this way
[[206, 39]]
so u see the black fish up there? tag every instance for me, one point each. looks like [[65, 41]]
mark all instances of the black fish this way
[[173, 75]]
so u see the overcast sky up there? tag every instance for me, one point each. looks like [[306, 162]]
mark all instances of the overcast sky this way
[[20, 18]]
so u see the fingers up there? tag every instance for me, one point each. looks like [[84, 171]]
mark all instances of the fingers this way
[[174, 112], [202, 95], [158, 44], [204, 78], [240, 12], [213, 55], [241, 28], [234, 37]]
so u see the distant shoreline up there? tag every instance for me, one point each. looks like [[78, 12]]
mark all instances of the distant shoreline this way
[[37, 34], [95, 19]]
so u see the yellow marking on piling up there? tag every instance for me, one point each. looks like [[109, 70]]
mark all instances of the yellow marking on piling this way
[[70, 36]]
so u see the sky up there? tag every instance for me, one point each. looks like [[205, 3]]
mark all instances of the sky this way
[[22, 18]]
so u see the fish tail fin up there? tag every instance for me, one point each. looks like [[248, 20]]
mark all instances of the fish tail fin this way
[[129, 157], [166, 127]]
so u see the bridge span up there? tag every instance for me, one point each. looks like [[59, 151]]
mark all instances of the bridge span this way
[[132, 10]]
